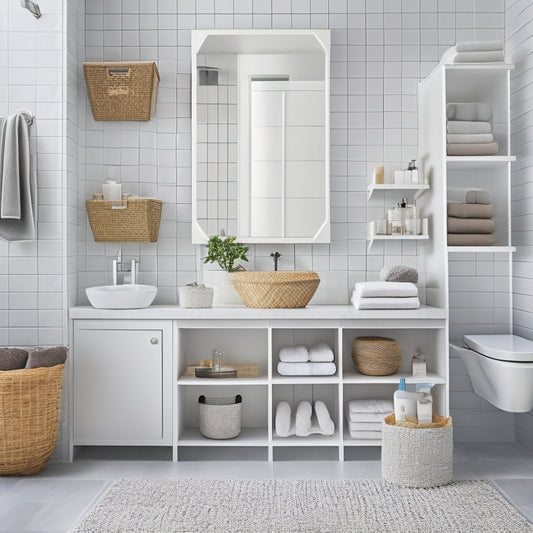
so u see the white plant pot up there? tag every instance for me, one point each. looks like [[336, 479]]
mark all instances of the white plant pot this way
[[224, 293]]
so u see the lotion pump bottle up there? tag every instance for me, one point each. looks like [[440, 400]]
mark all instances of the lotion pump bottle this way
[[405, 404]]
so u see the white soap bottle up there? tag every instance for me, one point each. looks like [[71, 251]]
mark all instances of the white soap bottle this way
[[405, 404], [112, 191]]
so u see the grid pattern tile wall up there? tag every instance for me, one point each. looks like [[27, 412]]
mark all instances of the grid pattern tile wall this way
[[519, 41]]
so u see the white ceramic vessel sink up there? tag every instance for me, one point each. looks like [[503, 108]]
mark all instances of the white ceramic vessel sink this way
[[121, 296]]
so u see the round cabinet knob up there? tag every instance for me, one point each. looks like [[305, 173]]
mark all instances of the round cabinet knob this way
[[154, 340]]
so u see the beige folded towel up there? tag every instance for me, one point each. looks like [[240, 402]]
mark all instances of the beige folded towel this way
[[482, 56], [470, 239], [469, 138], [470, 225], [473, 149], [467, 126], [479, 46], [462, 210]]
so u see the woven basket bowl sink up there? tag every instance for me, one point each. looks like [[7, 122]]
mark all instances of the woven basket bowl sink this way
[[274, 290], [121, 296]]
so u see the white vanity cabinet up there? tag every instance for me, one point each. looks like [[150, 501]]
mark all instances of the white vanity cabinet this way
[[121, 383]]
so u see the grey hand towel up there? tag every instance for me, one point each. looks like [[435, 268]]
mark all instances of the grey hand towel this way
[[470, 225], [18, 183], [470, 111], [461, 210], [490, 56], [479, 46], [473, 149], [468, 126], [470, 239], [478, 197], [469, 138]]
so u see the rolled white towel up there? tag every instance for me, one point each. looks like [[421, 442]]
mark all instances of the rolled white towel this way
[[479, 46], [467, 126], [371, 405], [384, 303], [489, 56], [364, 426], [367, 417], [303, 418], [470, 111], [365, 434], [326, 425], [306, 369], [321, 353], [294, 354], [386, 289], [284, 424]]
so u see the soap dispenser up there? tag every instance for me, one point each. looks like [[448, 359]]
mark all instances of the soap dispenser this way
[[405, 404]]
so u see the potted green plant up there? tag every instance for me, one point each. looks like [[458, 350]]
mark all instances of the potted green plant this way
[[226, 253]]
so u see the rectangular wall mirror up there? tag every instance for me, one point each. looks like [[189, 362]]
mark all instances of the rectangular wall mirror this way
[[260, 135]]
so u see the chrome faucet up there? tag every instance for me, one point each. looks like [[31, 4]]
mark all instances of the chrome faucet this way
[[118, 268], [275, 256]]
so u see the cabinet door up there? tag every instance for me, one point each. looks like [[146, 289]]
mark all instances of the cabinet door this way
[[118, 386]]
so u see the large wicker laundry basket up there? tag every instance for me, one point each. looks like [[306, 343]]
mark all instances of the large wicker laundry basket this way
[[29, 418], [376, 356]]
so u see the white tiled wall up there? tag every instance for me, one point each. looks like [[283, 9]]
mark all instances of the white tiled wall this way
[[519, 41]]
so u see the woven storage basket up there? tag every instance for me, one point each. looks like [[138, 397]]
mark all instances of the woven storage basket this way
[[29, 418], [136, 219], [268, 290], [417, 457], [220, 418], [122, 91], [376, 356]]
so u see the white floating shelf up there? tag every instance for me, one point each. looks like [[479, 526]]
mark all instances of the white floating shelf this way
[[373, 236], [356, 377], [477, 162], [191, 436], [418, 189], [478, 249]]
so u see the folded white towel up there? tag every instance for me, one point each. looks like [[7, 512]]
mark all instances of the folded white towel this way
[[326, 425], [294, 354], [284, 423], [384, 303], [490, 56], [470, 111], [479, 196], [467, 126], [306, 369], [303, 418], [364, 426], [321, 353], [371, 405], [469, 138], [386, 289], [479, 46], [368, 417], [365, 434]]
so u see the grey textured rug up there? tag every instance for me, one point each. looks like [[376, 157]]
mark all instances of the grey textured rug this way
[[246, 506]]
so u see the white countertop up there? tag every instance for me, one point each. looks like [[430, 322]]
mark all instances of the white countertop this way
[[322, 312]]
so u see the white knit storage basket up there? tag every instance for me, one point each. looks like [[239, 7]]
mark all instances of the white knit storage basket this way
[[417, 457], [220, 418]]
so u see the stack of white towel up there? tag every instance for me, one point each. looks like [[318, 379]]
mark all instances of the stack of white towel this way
[[475, 52], [469, 129], [297, 360], [365, 417], [385, 295], [306, 420]]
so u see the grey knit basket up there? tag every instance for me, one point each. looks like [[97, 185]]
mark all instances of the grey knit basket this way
[[417, 457], [220, 418]]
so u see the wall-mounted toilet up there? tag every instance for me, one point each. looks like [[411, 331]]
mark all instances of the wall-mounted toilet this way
[[501, 369]]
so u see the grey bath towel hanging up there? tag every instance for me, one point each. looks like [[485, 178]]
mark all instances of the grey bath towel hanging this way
[[18, 183]]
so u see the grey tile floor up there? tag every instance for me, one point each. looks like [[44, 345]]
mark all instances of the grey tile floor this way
[[57, 498]]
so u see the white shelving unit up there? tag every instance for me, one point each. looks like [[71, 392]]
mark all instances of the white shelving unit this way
[[417, 189]]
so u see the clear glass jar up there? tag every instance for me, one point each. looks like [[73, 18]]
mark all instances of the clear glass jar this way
[[217, 361]]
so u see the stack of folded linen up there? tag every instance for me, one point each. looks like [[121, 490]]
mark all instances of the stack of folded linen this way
[[300, 361], [469, 129], [385, 295], [475, 52], [365, 417], [470, 223]]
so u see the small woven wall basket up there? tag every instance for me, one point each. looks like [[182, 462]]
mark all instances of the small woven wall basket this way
[[376, 356], [132, 220], [281, 291], [418, 456], [29, 418], [121, 90], [220, 418]]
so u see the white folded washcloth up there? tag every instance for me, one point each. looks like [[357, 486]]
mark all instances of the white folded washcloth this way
[[470, 111], [304, 411], [386, 289], [489, 56], [384, 303], [321, 353], [479, 46], [469, 138], [368, 417], [284, 423], [371, 405], [364, 426], [294, 354], [365, 434], [478, 196], [468, 126], [324, 422], [306, 369]]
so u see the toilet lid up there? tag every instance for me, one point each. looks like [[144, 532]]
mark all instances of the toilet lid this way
[[501, 347]]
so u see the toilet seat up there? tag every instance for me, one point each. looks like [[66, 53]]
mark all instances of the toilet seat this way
[[501, 347]]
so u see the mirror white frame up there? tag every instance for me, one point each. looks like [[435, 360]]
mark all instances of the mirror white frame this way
[[265, 42]]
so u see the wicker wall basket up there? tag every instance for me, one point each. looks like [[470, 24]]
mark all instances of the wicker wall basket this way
[[417, 457], [132, 220], [29, 418], [220, 418], [376, 356], [122, 90]]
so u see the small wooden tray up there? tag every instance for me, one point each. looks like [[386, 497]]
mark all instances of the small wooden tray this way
[[207, 372]]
